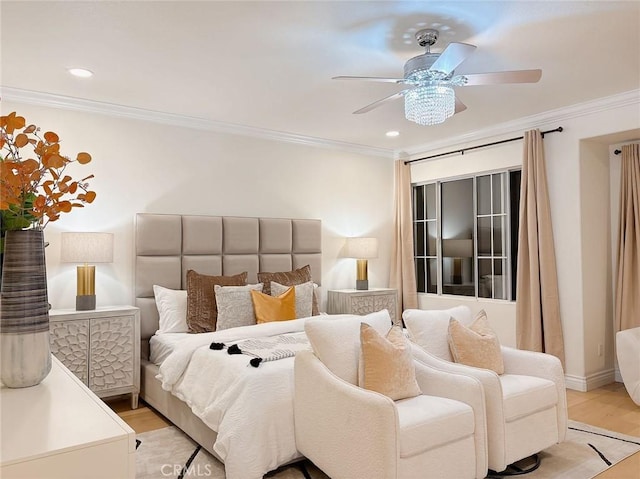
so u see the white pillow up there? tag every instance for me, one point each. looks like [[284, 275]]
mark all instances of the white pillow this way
[[304, 296], [172, 309], [429, 329], [336, 340], [235, 307]]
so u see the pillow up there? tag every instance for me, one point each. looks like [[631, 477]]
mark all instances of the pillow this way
[[274, 308], [304, 297], [428, 328], [476, 345], [289, 278], [202, 311], [235, 307], [336, 340], [387, 363], [172, 309]]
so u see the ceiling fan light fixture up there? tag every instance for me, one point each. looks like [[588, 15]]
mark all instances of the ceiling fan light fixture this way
[[430, 104]]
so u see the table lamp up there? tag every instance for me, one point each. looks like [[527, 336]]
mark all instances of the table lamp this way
[[86, 248], [362, 249], [458, 249]]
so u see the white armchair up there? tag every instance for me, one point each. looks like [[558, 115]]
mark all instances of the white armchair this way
[[526, 406], [354, 433], [628, 354]]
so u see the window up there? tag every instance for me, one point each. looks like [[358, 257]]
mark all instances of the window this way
[[465, 235]]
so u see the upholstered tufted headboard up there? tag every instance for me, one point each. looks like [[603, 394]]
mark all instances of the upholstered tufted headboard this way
[[167, 246]]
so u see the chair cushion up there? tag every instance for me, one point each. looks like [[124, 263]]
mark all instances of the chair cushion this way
[[428, 328], [427, 422], [524, 395], [336, 341]]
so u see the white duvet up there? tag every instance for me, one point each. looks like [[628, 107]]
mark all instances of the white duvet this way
[[250, 408]]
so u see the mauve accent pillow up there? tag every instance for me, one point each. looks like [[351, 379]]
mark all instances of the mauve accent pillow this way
[[387, 363], [289, 278], [202, 312], [476, 345]]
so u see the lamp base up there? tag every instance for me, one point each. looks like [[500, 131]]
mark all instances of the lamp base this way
[[86, 302], [362, 284]]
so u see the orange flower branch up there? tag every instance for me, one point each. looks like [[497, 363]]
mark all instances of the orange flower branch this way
[[34, 192]]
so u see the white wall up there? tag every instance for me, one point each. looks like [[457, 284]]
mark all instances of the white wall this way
[[147, 167], [575, 217]]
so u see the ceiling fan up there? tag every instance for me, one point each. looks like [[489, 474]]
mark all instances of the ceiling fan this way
[[430, 78]]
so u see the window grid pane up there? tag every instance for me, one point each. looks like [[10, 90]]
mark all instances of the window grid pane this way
[[491, 266]]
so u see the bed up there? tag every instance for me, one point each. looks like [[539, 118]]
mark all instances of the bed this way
[[166, 247]]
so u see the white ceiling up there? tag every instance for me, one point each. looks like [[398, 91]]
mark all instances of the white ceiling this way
[[269, 64]]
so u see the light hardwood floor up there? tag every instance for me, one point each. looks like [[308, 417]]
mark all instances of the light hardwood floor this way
[[609, 407]]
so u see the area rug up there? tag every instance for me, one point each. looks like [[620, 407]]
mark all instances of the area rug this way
[[587, 451]]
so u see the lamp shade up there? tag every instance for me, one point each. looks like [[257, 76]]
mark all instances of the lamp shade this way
[[87, 248], [362, 248], [457, 248]]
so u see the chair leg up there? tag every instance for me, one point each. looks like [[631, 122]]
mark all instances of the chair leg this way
[[519, 468], [303, 469]]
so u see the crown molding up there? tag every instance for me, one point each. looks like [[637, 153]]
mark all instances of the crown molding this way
[[110, 109], [526, 123]]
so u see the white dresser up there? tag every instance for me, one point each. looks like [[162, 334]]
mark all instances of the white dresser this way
[[101, 347], [59, 429], [362, 301]]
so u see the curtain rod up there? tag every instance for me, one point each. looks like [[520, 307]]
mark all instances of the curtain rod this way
[[461, 151], [617, 152]]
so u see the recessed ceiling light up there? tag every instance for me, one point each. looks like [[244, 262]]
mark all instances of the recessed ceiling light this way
[[392, 134], [81, 72]]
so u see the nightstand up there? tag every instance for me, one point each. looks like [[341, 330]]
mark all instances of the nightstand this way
[[357, 301], [101, 347]]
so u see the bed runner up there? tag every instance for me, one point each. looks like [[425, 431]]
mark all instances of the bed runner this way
[[270, 348]]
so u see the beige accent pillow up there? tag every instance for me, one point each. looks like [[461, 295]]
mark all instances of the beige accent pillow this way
[[387, 363], [476, 345], [202, 311], [235, 307], [304, 296], [289, 278]]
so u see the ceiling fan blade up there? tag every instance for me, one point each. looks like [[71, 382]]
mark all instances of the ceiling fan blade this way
[[459, 106], [452, 56], [378, 79], [518, 76], [378, 103]]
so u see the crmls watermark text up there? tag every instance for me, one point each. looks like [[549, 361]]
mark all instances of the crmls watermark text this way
[[194, 470]]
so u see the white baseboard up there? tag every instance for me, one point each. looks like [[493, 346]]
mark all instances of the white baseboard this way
[[618, 376], [592, 381]]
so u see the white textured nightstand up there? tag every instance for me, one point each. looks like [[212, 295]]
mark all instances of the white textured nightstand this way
[[357, 301], [59, 429], [101, 347]]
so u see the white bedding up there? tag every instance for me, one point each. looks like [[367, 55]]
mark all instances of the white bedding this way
[[161, 345], [250, 408]]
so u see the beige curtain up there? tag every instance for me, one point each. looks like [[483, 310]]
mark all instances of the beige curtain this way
[[403, 274], [538, 326], [628, 280]]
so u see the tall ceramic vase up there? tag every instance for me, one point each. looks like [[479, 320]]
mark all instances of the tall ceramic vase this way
[[24, 311]]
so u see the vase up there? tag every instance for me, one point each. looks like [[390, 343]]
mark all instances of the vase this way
[[24, 312]]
